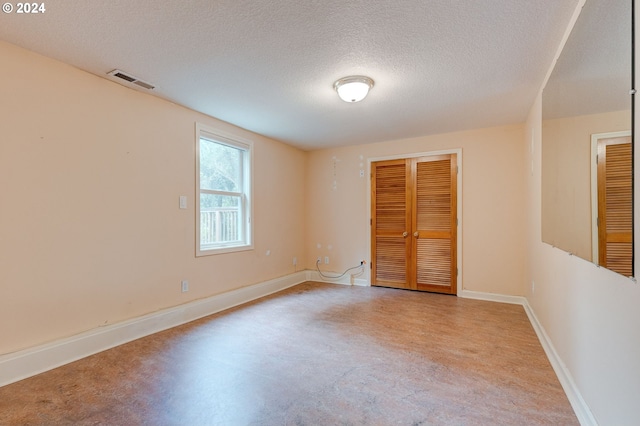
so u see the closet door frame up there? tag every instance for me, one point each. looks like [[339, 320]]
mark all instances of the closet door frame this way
[[458, 152]]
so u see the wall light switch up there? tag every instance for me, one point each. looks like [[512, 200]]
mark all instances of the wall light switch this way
[[183, 201]]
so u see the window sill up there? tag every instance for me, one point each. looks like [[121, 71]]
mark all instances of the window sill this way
[[223, 250]]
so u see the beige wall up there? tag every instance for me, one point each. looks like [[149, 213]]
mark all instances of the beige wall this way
[[90, 230], [566, 177], [492, 203], [590, 314]]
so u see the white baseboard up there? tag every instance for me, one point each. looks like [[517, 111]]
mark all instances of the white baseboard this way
[[346, 280], [580, 407], [492, 297], [582, 411], [29, 362]]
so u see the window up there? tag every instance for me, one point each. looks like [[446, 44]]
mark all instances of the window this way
[[224, 184]]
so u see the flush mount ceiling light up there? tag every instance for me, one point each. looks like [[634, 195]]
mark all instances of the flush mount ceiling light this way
[[354, 88]]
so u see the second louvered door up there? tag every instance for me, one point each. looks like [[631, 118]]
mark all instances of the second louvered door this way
[[414, 223], [434, 224], [615, 205]]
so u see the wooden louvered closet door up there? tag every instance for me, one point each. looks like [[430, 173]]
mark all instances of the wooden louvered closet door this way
[[391, 220], [414, 223], [434, 222], [615, 208]]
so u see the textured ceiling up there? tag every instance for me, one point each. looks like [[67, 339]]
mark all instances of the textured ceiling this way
[[269, 66]]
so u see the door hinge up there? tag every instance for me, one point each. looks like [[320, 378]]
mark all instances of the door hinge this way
[[598, 222], [456, 272], [457, 169], [597, 158], [370, 222], [456, 221], [370, 265]]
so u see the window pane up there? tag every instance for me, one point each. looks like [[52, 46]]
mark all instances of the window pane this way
[[220, 167], [220, 219]]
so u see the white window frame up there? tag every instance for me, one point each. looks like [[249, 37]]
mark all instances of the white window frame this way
[[246, 205]]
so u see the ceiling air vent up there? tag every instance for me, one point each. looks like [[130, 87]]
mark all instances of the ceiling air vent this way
[[131, 79]]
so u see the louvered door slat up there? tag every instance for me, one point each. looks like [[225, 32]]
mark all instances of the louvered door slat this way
[[390, 261], [390, 198], [434, 262]]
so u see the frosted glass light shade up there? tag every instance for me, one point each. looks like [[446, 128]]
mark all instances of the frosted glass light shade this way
[[353, 89]]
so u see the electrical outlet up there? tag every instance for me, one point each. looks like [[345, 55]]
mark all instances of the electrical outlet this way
[[295, 261], [326, 260], [318, 260], [185, 286]]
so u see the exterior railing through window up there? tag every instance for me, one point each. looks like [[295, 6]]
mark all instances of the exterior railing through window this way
[[219, 225]]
